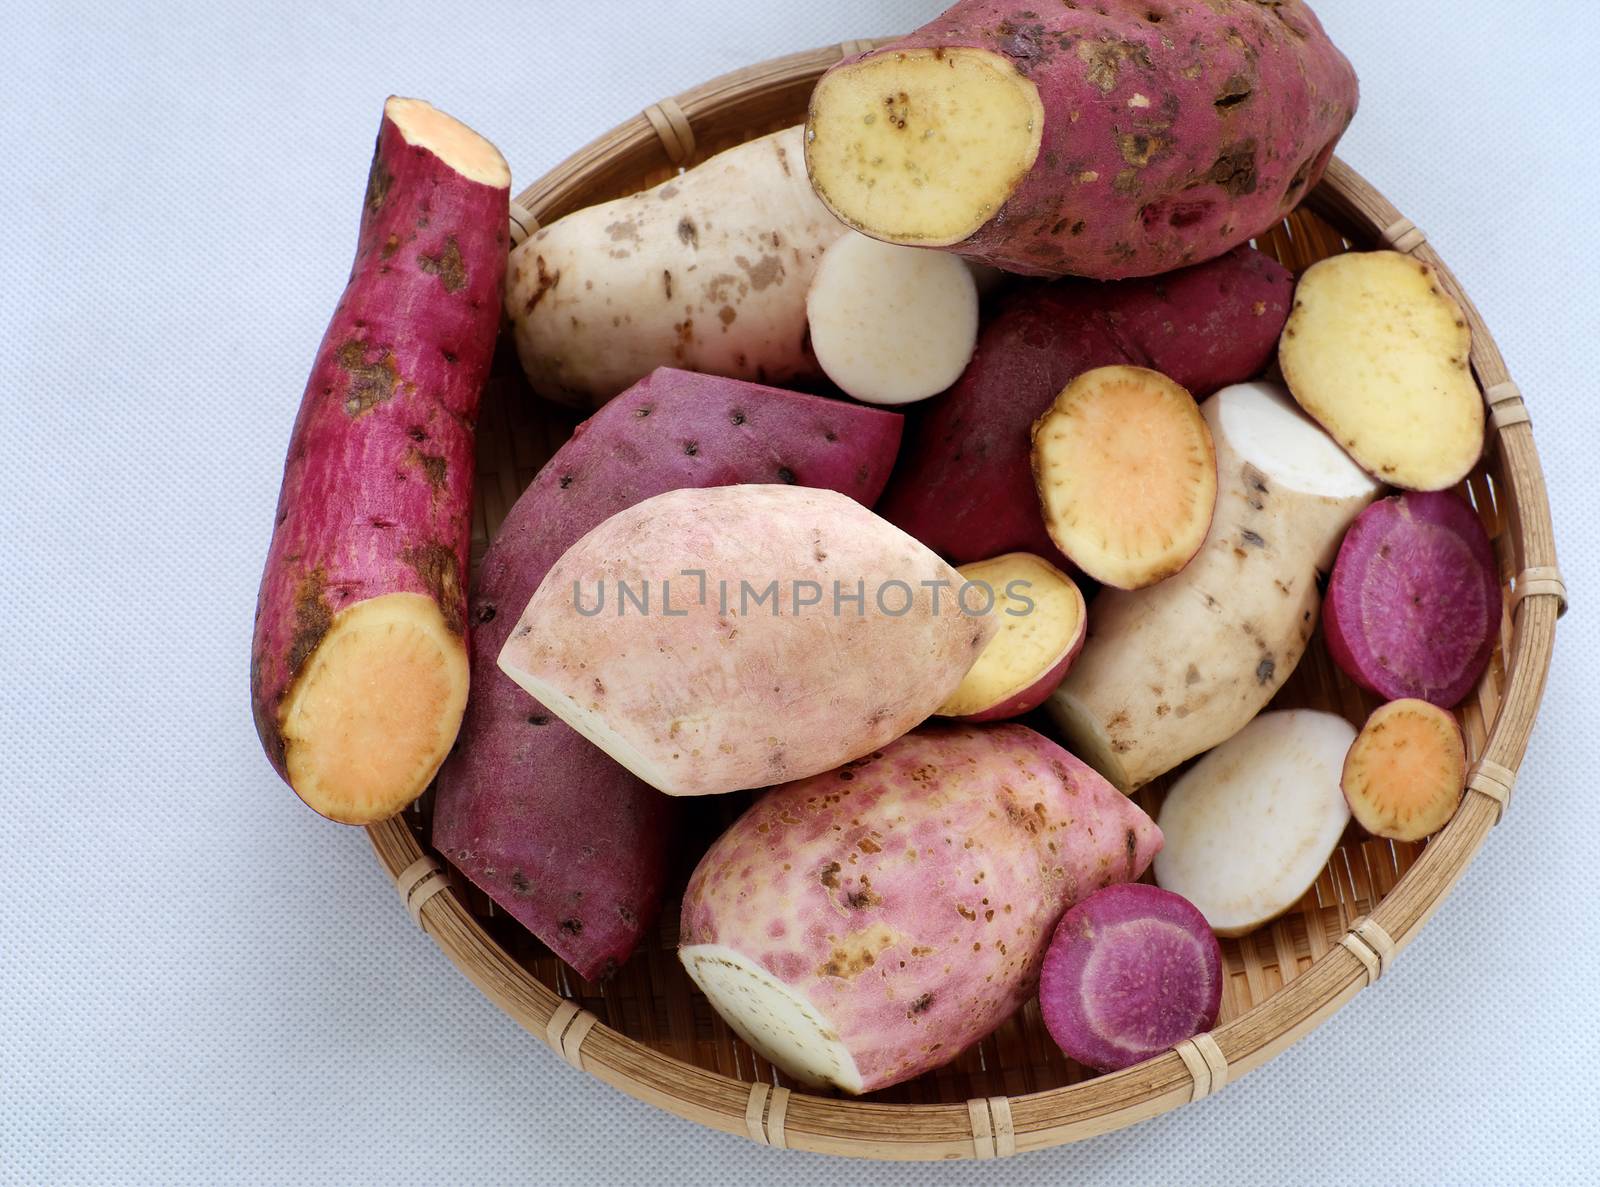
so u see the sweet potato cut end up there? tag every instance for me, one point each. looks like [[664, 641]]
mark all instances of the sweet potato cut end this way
[[781, 1025], [1127, 475], [1033, 648], [922, 146], [376, 708], [447, 138], [1406, 771], [1379, 354]]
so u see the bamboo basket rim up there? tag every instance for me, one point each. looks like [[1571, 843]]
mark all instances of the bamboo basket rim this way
[[666, 134]]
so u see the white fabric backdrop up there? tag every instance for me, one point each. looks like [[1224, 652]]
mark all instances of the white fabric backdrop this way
[[202, 982]]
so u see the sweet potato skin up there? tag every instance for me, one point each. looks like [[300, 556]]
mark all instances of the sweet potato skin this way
[[1172, 132], [910, 895], [377, 488], [965, 485], [561, 836], [707, 271]]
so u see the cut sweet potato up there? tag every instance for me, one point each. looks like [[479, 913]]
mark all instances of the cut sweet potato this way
[[1377, 352], [1413, 606], [1406, 771], [1132, 971], [889, 324], [1042, 624], [1127, 475]]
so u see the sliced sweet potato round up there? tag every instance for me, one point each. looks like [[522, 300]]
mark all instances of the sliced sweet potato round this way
[[1406, 770], [1127, 475]]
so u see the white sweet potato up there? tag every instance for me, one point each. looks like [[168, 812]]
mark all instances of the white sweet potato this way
[[737, 637], [707, 272], [863, 926], [1174, 669]]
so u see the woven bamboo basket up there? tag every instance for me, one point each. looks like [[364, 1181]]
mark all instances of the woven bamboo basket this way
[[647, 1032]]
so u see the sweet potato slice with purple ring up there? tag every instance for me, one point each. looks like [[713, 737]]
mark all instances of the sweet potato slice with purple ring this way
[[1414, 604], [1043, 621], [1127, 475], [1132, 971], [1406, 770]]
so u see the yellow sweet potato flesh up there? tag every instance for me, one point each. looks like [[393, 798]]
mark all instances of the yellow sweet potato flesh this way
[[1406, 770]]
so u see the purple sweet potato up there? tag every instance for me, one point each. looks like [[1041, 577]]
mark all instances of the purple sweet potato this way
[[562, 837], [965, 484], [1121, 138], [358, 668], [1413, 607], [865, 925], [1133, 970]]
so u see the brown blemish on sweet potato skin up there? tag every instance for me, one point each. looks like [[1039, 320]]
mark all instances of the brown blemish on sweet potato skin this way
[[437, 568]]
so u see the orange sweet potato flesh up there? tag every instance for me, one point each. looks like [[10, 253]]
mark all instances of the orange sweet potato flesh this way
[[1406, 770]]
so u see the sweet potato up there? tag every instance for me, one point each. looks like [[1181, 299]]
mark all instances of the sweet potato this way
[[1406, 771], [1174, 669], [1117, 139], [965, 486], [1413, 606], [713, 640], [1249, 827], [570, 843], [1127, 475], [863, 926], [891, 325], [1378, 353], [1132, 971], [358, 667], [707, 271], [1042, 621]]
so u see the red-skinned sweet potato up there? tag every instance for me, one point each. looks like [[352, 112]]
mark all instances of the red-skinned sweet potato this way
[[1123, 138], [965, 484], [358, 671], [541, 820]]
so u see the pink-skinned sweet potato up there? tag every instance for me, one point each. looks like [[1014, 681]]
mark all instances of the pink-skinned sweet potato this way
[[563, 838], [1133, 970], [1413, 607], [965, 484], [358, 672], [1122, 138], [865, 925]]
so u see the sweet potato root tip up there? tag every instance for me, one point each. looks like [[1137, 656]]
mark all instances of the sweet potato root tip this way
[[375, 709], [1406, 770], [1127, 475], [922, 147]]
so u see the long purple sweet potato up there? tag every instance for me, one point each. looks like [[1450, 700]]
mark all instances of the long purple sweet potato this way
[[1120, 138], [965, 484], [556, 832], [358, 669]]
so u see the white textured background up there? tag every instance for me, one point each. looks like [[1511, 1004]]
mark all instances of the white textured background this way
[[202, 982]]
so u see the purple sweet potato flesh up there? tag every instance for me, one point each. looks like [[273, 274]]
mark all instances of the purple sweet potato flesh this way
[[965, 484], [563, 838], [1413, 607], [1132, 971]]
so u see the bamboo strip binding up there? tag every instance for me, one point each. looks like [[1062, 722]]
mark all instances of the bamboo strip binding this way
[[600, 1030], [1494, 781]]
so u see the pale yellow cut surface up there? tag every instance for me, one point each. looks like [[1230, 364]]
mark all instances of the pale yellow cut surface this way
[[447, 138], [1377, 352], [1032, 640], [922, 146], [376, 709], [1406, 771], [1127, 475]]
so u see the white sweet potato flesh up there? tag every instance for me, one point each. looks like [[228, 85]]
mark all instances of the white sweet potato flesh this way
[[1378, 353], [761, 674], [923, 146], [1127, 475], [1251, 825], [707, 272], [1173, 670], [891, 324], [1042, 621], [865, 925]]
